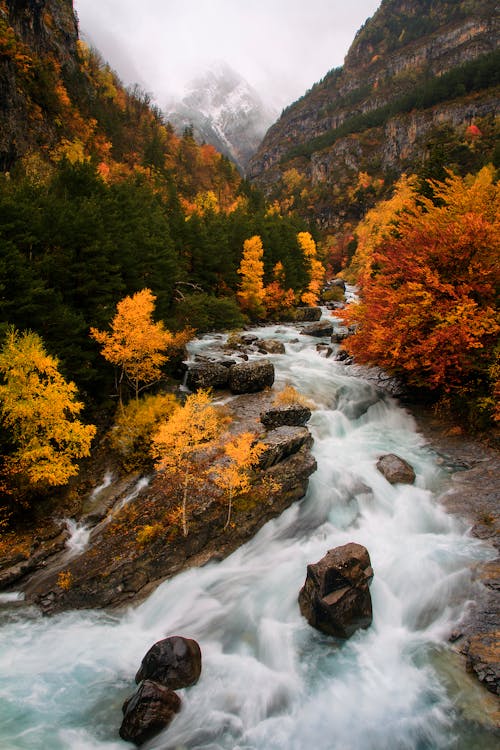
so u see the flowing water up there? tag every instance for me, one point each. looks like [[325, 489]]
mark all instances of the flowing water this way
[[270, 681], [79, 534]]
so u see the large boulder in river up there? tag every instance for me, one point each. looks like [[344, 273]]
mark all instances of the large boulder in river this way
[[335, 597], [174, 662], [340, 333], [395, 469], [293, 415], [319, 329], [149, 711], [281, 443], [207, 375], [307, 314], [250, 377], [271, 346]]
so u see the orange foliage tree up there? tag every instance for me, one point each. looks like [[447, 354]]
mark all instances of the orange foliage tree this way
[[178, 443], [428, 307], [276, 298], [137, 344], [233, 474], [315, 269], [251, 270], [39, 408]]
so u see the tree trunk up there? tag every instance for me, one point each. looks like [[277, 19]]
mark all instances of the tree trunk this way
[[184, 503], [229, 509]]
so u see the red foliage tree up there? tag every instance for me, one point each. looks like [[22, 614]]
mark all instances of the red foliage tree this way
[[428, 307]]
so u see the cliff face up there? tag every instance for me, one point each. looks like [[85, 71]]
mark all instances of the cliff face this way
[[402, 76], [37, 41], [46, 26]]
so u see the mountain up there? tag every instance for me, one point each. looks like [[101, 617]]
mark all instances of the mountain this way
[[36, 38], [225, 111], [100, 199], [416, 77]]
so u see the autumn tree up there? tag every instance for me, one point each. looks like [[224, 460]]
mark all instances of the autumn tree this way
[[178, 443], [233, 473], [316, 271], [135, 424], [428, 309], [380, 222], [251, 289], [277, 299], [39, 408], [137, 345]]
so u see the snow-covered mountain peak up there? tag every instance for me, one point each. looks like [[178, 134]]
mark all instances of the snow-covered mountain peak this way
[[224, 110]]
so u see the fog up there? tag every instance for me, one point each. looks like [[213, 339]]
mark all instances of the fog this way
[[281, 47]]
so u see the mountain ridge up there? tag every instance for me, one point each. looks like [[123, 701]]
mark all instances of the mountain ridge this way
[[388, 63]]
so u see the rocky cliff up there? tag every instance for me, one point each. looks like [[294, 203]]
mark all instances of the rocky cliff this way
[[37, 43], [412, 68]]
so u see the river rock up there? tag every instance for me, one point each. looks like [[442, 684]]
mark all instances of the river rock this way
[[320, 329], [294, 415], [281, 443], [343, 356], [174, 662], [335, 597], [307, 314], [250, 377], [271, 346], [339, 334], [148, 711], [483, 658], [325, 350], [207, 375], [336, 282], [395, 469]]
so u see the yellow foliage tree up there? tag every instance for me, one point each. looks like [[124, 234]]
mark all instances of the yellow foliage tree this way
[[192, 428], [206, 202], [39, 407], [290, 395], [379, 223], [251, 270], [233, 474], [136, 344], [135, 424], [315, 268]]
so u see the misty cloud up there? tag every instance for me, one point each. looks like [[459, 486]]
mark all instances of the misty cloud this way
[[280, 46]]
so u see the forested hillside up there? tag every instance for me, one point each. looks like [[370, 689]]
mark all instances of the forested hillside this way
[[100, 199], [102, 205], [416, 77]]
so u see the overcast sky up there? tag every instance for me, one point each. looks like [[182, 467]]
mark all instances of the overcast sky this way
[[281, 47]]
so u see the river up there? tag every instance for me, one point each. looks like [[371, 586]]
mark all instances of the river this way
[[270, 681]]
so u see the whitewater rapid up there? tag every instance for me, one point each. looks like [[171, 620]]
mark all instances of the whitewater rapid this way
[[270, 681]]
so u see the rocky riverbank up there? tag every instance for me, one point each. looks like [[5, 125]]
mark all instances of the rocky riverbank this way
[[474, 495], [136, 539]]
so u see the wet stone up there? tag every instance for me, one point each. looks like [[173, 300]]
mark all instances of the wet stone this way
[[174, 662]]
